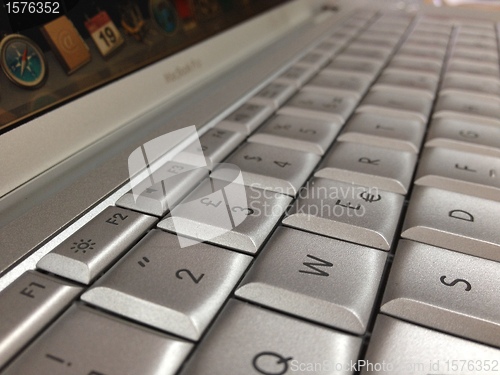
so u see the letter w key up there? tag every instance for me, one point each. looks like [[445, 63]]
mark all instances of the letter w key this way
[[313, 268]]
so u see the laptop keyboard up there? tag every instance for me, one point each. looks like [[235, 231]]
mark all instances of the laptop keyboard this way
[[330, 268]]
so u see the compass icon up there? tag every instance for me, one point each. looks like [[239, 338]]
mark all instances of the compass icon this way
[[23, 61]]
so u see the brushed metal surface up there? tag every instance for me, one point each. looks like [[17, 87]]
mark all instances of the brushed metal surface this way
[[461, 172], [354, 213], [196, 218], [95, 246], [237, 345], [462, 135], [268, 167], [316, 278], [402, 348], [51, 202], [445, 290], [297, 133], [394, 132], [178, 290], [454, 221], [87, 341], [27, 306], [378, 167]]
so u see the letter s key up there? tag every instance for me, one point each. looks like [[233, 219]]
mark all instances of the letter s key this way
[[468, 286]]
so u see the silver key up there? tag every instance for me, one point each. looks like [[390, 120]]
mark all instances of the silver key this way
[[367, 39], [384, 34], [475, 55], [95, 246], [423, 41], [274, 94], [360, 50], [248, 340], [487, 44], [416, 64], [351, 82], [355, 64], [425, 52], [454, 221], [175, 289], [411, 80], [402, 348], [297, 133], [479, 30], [459, 171], [394, 132], [29, 304], [297, 75], [465, 82], [215, 144], [165, 188], [321, 282], [408, 102], [472, 31], [465, 136], [89, 342], [206, 215], [246, 118], [437, 39], [315, 59], [468, 104], [372, 166], [272, 168], [442, 289], [349, 212], [331, 107], [475, 68], [329, 47], [347, 32]]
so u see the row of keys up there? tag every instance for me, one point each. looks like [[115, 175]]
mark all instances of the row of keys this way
[[352, 212], [86, 341], [427, 222], [190, 319], [188, 308], [308, 121], [450, 291], [462, 146], [250, 115]]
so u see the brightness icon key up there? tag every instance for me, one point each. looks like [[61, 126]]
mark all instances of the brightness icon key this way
[[82, 246], [93, 247]]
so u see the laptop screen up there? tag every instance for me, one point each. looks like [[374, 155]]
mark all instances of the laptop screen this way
[[54, 51]]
